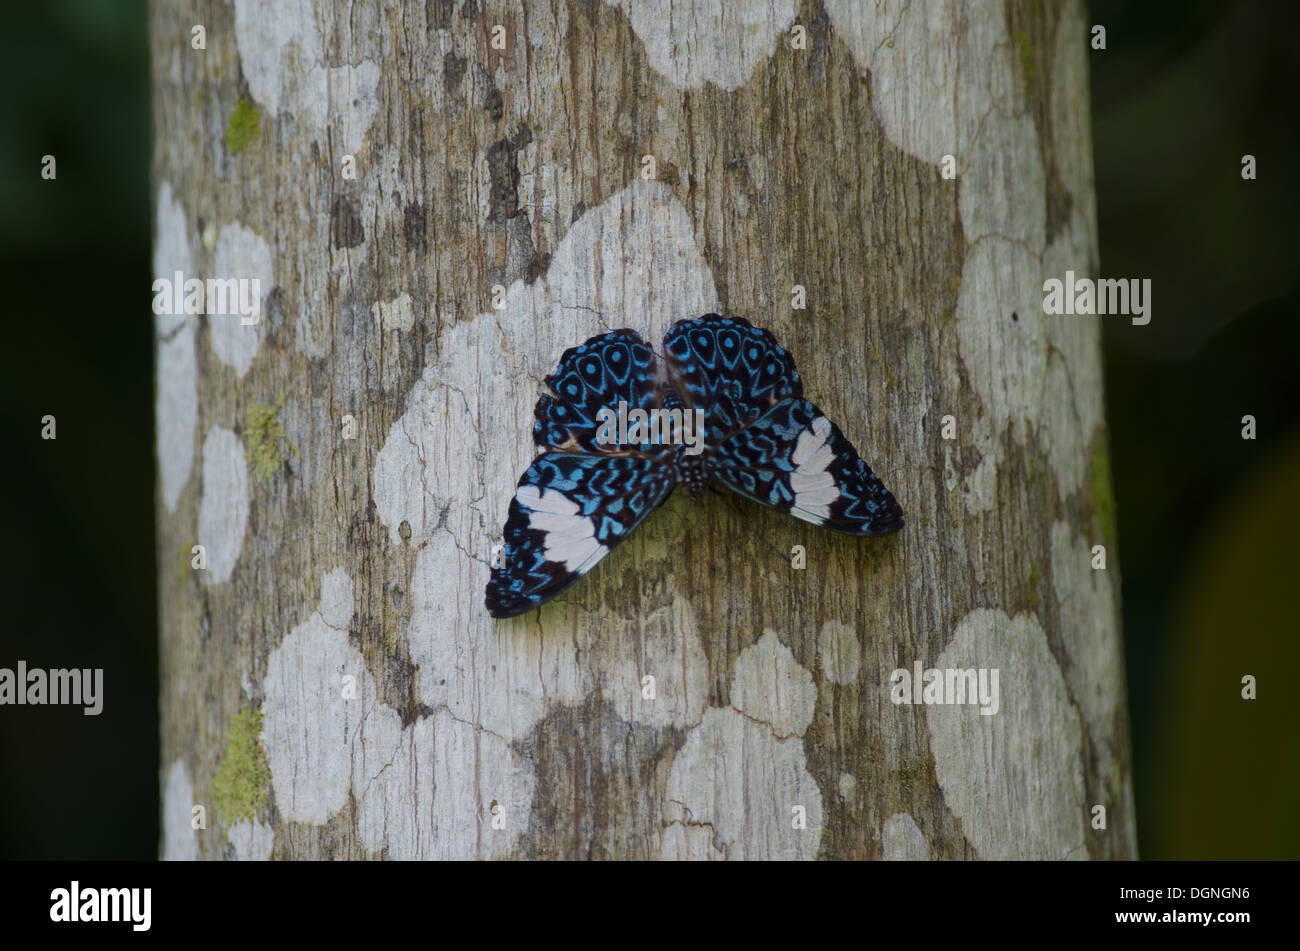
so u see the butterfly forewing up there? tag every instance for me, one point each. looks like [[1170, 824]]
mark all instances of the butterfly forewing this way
[[599, 374], [731, 369]]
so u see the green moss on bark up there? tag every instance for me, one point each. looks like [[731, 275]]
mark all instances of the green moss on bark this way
[[245, 126], [265, 439], [239, 789]]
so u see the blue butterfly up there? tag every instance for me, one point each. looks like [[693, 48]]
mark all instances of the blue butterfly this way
[[591, 485]]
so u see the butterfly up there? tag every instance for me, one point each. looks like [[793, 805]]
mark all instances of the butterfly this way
[[591, 486]]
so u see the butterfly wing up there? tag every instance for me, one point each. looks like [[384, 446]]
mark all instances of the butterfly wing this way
[[568, 512], [768, 443], [608, 369], [733, 370], [795, 459]]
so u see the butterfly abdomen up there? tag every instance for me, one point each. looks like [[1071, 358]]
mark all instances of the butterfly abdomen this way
[[691, 473]]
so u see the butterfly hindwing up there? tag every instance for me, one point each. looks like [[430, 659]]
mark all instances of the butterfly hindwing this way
[[795, 459], [568, 512], [730, 368], [608, 369]]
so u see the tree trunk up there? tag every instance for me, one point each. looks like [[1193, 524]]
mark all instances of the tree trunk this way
[[437, 200]]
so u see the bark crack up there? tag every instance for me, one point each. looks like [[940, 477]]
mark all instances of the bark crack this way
[[761, 722], [690, 822]]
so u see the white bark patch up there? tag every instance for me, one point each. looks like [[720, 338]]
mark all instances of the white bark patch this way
[[503, 676], [903, 840], [1072, 392], [1059, 356], [1005, 355], [1014, 779], [176, 409], [734, 776], [176, 401], [840, 652], [426, 802], [771, 686], [980, 487], [252, 841], [240, 254], [708, 41], [1088, 631], [179, 843], [392, 775], [347, 95], [848, 788], [1003, 188], [1003, 205], [742, 772], [326, 735], [262, 29], [311, 731], [632, 261], [171, 250], [499, 676], [395, 314], [270, 32], [336, 599], [689, 843], [223, 510], [932, 84]]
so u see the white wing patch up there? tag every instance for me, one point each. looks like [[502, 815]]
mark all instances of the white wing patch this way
[[569, 538], [814, 488]]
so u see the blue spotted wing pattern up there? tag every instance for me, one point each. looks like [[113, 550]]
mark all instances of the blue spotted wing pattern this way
[[568, 512], [734, 370], [599, 373], [795, 459], [761, 439]]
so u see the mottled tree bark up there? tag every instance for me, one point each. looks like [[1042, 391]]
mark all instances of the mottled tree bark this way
[[437, 199]]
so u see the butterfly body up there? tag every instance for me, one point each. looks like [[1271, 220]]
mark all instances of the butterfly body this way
[[761, 439], [692, 473]]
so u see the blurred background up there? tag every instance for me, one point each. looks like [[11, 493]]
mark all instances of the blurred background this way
[[1208, 522]]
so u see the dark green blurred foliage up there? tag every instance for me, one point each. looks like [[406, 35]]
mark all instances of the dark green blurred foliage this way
[[1207, 522], [1225, 772], [77, 564], [1185, 88]]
